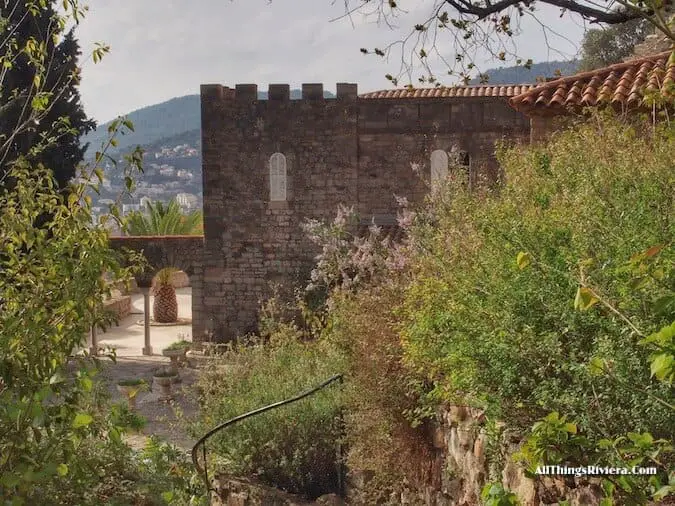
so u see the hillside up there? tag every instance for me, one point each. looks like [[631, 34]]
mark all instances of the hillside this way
[[156, 124], [166, 123], [521, 75]]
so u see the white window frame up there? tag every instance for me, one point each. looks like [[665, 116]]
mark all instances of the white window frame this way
[[439, 166], [278, 177]]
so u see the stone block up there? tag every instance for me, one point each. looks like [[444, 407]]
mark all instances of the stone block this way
[[312, 91]]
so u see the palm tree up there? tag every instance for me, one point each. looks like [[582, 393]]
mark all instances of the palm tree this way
[[165, 307], [160, 219]]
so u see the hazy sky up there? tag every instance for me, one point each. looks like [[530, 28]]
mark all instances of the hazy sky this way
[[161, 49]]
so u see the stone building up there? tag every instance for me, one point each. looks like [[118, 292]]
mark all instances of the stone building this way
[[270, 164]]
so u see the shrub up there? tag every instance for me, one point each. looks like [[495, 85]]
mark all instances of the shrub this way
[[509, 338], [516, 296], [378, 392], [293, 447]]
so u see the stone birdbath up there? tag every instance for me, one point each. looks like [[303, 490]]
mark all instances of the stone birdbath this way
[[129, 388], [164, 378], [177, 354]]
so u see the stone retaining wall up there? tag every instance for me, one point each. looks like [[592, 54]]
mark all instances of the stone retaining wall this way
[[119, 305], [463, 468]]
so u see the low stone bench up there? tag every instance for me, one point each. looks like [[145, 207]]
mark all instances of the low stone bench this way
[[119, 306]]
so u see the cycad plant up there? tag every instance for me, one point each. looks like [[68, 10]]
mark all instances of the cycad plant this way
[[165, 306], [161, 219]]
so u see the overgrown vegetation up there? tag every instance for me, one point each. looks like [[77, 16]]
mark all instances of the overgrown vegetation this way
[[294, 447], [62, 442], [533, 300]]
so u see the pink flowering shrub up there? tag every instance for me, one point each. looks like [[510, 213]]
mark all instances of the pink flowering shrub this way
[[348, 260]]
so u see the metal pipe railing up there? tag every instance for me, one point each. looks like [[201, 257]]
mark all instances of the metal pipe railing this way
[[236, 419]]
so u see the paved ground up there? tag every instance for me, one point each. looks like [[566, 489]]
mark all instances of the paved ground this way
[[127, 339], [163, 419], [167, 420]]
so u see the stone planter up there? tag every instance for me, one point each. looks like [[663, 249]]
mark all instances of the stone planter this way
[[164, 383], [177, 358], [175, 355]]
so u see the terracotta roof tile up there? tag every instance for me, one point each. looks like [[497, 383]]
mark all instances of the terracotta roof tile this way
[[621, 85], [483, 90]]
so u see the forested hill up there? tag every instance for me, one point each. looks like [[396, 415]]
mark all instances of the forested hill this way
[[521, 75], [155, 123]]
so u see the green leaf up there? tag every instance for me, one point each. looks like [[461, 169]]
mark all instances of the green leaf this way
[[585, 299], [82, 420], [596, 366], [167, 496], [666, 489], [62, 469], [523, 260], [86, 383], [571, 428], [662, 365], [57, 378]]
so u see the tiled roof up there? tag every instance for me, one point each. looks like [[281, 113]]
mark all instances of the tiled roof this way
[[502, 90], [620, 85]]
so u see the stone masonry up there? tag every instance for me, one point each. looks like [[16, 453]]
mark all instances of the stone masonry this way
[[352, 150]]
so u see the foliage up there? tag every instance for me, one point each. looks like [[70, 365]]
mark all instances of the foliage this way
[[61, 442], [378, 392], [42, 117], [602, 47], [166, 472], [347, 260], [160, 219], [45, 417], [293, 447], [494, 494], [475, 27], [179, 345], [506, 336], [490, 315], [553, 440]]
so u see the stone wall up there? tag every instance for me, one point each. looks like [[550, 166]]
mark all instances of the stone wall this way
[[343, 150], [462, 467]]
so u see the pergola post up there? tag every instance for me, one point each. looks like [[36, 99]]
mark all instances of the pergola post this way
[[93, 348], [147, 348]]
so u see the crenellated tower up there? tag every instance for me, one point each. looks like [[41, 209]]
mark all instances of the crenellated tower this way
[[270, 164]]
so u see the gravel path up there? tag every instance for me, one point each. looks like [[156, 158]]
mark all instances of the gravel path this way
[[161, 417]]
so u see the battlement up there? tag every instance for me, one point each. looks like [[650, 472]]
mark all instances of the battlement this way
[[276, 92]]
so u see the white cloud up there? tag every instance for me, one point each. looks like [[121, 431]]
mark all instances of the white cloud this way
[[166, 48]]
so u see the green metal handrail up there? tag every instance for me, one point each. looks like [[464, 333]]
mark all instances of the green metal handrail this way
[[236, 419]]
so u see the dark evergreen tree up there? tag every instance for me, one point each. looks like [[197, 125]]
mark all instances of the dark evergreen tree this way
[[59, 140]]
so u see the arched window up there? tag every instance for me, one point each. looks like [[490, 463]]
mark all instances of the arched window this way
[[277, 177], [439, 166]]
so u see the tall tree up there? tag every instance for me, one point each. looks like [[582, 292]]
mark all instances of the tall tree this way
[[40, 68], [604, 46]]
